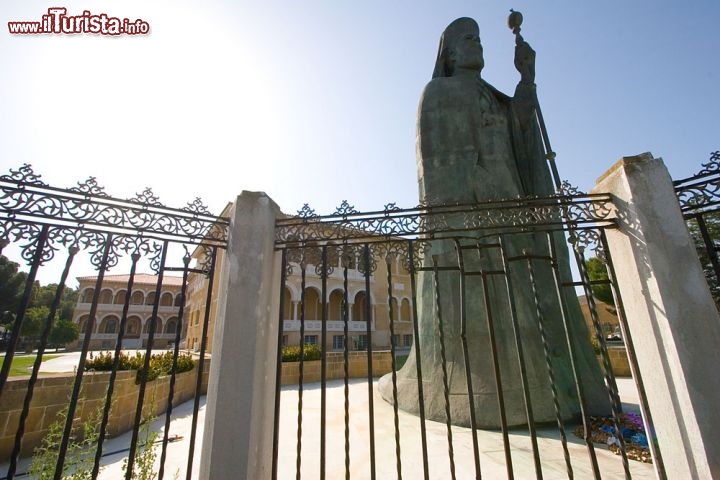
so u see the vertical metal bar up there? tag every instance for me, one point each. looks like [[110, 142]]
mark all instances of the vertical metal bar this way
[[632, 360], [89, 326], [396, 418], [609, 376], [418, 366], [443, 361], [278, 369], [549, 154], [24, 303], [116, 362], [323, 362], [176, 351], [709, 244], [303, 307], [146, 366], [201, 362], [466, 360], [548, 364], [496, 370], [38, 361], [520, 356], [346, 366], [368, 325], [573, 358]]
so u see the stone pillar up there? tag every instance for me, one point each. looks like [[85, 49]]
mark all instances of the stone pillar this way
[[672, 318], [237, 440]]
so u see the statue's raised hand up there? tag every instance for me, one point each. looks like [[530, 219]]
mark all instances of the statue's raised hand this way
[[524, 60]]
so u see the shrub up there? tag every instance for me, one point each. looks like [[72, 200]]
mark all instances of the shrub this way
[[80, 454], [292, 353], [160, 364]]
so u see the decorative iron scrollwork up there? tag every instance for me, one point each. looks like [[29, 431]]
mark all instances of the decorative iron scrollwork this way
[[204, 261], [701, 192], [147, 197], [345, 209], [90, 188], [24, 176], [712, 166], [84, 216], [306, 212], [561, 211]]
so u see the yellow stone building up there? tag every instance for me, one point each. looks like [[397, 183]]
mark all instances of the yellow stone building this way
[[292, 307], [110, 307]]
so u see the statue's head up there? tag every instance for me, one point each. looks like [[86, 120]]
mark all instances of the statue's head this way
[[459, 48]]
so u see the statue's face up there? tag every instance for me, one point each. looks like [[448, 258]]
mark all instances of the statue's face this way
[[467, 53]]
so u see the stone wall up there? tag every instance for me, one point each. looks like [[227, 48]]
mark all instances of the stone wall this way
[[619, 360], [357, 368], [51, 394]]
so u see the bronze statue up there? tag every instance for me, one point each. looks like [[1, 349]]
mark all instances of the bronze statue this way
[[490, 140], [476, 144]]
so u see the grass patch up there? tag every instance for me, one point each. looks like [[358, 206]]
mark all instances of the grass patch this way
[[22, 365]]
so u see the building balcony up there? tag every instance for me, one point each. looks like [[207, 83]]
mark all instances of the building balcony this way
[[332, 326]]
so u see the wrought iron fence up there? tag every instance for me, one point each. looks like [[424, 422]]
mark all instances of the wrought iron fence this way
[[449, 261], [699, 198], [420, 277], [43, 222]]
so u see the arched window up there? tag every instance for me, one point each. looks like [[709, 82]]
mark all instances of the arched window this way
[[358, 312], [109, 324], [166, 300], [83, 323], [87, 295], [158, 326], [120, 297], [287, 304], [106, 296], [405, 310], [312, 304], [150, 299], [178, 300], [171, 325], [133, 326], [138, 298], [335, 307]]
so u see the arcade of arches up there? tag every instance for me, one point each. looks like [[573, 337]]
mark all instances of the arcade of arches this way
[[111, 300]]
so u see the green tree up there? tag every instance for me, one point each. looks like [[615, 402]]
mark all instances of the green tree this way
[[63, 332], [32, 327], [43, 296], [597, 271], [12, 283], [67, 304]]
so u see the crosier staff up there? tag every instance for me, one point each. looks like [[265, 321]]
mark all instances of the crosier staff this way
[[523, 52]]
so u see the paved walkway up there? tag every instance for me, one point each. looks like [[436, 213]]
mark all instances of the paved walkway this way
[[492, 458]]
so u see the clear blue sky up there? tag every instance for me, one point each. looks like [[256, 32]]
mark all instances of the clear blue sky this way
[[315, 101]]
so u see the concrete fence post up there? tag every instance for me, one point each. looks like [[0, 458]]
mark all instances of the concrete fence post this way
[[671, 315], [237, 438]]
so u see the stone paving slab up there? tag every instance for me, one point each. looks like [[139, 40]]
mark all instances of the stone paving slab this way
[[492, 452], [492, 456]]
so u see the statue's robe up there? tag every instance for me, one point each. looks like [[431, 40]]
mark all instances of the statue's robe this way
[[475, 144]]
